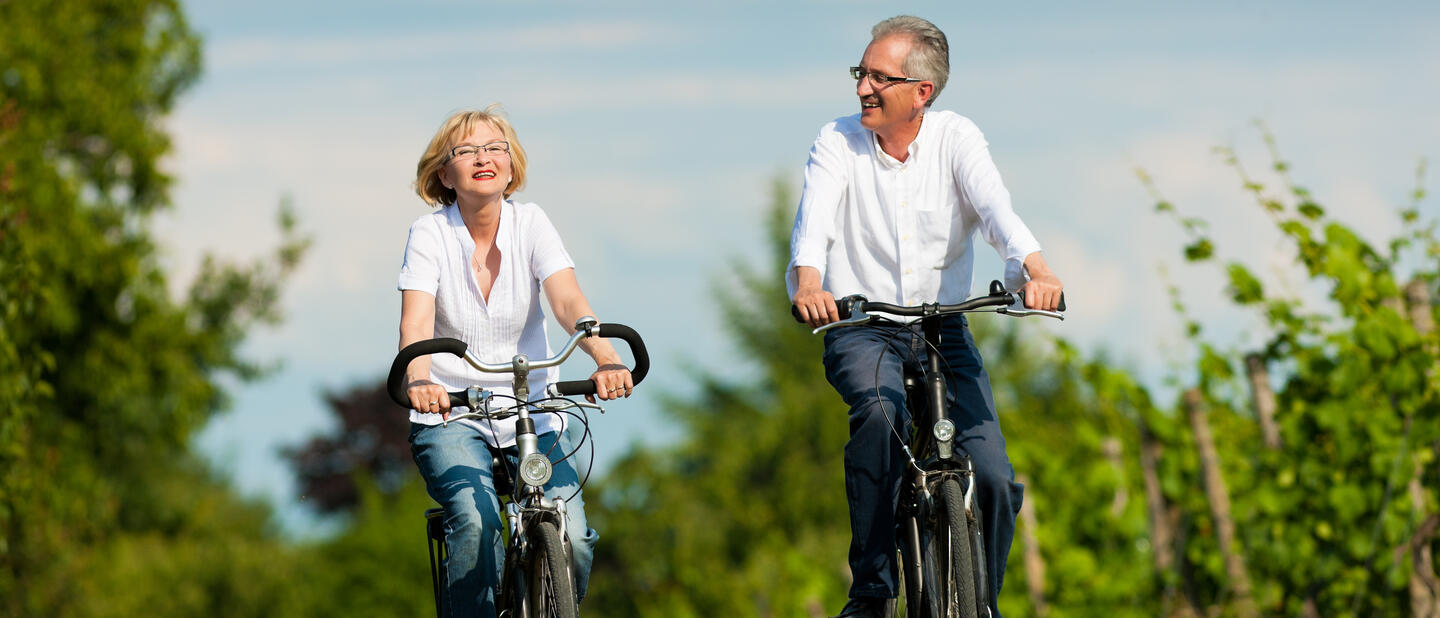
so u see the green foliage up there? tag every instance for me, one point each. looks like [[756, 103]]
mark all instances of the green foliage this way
[[378, 566], [103, 377], [1324, 517], [1199, 250], [202, 552], [1245, 289], [1070, 429]]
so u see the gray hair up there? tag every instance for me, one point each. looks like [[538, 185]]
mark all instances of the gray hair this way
[[929, 56]]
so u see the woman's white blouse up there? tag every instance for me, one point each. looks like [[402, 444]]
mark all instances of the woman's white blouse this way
[[437, 261]]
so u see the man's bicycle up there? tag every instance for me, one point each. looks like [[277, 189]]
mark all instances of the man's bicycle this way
[[940, 525], [536, 581]]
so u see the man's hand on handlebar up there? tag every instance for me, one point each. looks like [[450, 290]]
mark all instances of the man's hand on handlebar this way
[[1043, 292], [612, 381], [817, 307], [427, 396], [1044, 288]]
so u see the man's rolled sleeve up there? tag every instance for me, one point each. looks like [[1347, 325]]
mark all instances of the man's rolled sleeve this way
[[814, 229], [985, 193]]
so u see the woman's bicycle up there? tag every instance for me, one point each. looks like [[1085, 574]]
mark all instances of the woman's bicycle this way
[[940, 536], [536, 581]]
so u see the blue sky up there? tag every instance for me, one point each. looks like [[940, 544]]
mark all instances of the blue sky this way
[[656, 129]]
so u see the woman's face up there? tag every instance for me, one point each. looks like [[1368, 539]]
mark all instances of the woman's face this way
[[480, 164]]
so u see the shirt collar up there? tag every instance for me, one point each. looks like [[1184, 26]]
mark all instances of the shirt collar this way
[[462, 234], [914, 148]]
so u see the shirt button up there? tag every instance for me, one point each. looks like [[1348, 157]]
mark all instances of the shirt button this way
[[905, 237], [907, 271], [904, 204]]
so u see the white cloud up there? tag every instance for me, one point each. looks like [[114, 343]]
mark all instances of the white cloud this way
[[431, 46]]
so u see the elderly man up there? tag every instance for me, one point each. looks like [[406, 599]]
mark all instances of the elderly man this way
[[893, 196]]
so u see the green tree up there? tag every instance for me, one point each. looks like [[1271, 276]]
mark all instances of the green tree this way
[[1071, 427], [378, 565], [104, 378], [1336, 506]]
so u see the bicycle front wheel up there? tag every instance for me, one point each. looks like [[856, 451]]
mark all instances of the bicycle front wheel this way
[[949, 558], [549, 591]]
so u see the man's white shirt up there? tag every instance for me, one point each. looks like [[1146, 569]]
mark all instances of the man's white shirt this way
[[901, 232]]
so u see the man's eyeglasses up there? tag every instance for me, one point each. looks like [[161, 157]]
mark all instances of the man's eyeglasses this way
[[493, 149], [881, 79]]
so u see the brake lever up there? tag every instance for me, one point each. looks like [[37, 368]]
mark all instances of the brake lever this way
[[561, 403], [1018, 310], [856, 318]]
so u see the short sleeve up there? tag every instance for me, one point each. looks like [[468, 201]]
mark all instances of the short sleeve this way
[[421, 268], [547, 255]]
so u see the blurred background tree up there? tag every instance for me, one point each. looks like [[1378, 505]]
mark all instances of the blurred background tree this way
[[104, 378]]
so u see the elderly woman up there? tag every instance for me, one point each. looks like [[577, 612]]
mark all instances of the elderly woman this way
[[473, 271]]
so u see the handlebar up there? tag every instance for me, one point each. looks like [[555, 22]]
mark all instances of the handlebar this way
[[395, 383], [854, 309], [637, 348]]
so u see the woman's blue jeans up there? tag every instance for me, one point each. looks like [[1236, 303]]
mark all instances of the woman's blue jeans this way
[[875, 462], [455, 462]]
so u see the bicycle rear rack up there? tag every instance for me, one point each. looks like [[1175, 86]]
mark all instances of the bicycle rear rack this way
[[435, 533]]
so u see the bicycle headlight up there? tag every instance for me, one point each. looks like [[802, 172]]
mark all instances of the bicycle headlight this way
[[944, 430], [535, 469]]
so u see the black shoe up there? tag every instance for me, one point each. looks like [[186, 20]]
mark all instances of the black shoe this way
[[868, 607]]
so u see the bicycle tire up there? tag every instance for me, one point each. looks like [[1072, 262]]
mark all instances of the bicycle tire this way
[[949, 557], [909, 603], [975, 519], [550, 592]]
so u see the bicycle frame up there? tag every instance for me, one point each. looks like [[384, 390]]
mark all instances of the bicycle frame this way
[[933, 459], [930, 449], [528, 505]]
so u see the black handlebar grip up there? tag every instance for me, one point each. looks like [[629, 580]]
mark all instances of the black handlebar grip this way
[[575, 387], [395, 383], [637, 349]]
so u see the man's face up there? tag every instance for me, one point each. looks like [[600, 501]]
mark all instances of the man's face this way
[[890, 105]]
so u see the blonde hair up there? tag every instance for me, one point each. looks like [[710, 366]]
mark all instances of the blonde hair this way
[[455, 128]]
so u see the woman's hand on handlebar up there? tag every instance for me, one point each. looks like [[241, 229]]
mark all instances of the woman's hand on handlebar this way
[[427, 396], [612, 381]]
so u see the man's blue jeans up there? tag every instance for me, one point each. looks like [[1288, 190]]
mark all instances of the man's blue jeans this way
[[875, 462], [455, 463]]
